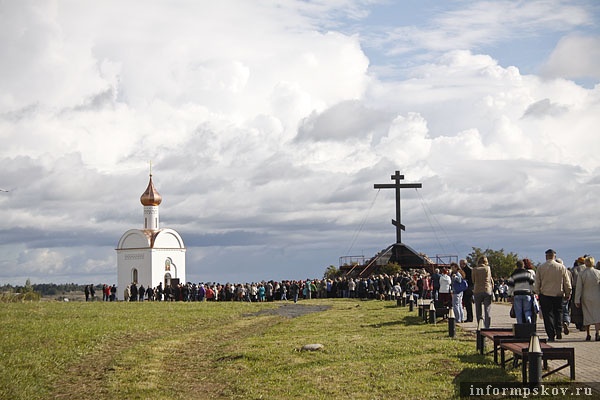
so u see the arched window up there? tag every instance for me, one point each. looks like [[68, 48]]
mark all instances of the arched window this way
[[134, 276], [167, 280]]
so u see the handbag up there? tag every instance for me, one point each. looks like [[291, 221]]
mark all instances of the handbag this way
[[512, 311], [536, 305], [460, 286]]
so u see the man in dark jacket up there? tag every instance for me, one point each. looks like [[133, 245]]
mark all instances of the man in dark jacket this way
[[435, 282], [133, 292], [468, 293]]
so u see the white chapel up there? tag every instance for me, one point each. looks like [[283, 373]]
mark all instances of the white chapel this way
[[150, 256]]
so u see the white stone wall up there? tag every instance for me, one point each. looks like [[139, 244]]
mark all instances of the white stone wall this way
[[127, 260], [134, 251]]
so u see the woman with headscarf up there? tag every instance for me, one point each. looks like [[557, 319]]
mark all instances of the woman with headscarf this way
[[587, 297], [577, 312]]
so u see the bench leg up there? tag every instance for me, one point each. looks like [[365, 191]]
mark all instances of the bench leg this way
[[495, 353], [524, 368], [572, 365]]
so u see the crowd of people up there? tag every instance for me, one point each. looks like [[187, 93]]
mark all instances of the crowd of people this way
[[377, 286], [562, 295]]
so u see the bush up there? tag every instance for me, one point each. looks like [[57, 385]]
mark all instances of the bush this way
[[19, 297]]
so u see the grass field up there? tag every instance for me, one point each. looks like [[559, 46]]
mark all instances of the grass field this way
[[372, 350]]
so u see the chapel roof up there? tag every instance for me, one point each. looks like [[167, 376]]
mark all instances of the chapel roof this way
[[151, 197]]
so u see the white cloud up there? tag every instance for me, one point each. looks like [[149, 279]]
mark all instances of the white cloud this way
[[481, 23], [407, 140], [575, 56]]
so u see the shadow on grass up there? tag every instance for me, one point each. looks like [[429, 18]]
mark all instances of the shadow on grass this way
[[384, 324], [469, 377], [409, 320], [412, 320], [482, 374], [477, 358], [488, 372]]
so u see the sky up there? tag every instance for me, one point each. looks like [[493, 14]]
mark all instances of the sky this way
[[267, 124]]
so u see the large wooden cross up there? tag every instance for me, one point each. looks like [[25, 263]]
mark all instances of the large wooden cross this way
[[397, 185]]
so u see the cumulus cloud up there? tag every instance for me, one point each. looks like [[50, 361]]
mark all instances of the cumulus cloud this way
[[575, 56], [344, 120]]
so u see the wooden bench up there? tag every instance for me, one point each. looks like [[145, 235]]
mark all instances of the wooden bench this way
[[492, 333], [498, 340], [440, 311], [423, 308], [520, 350], [518, 331]]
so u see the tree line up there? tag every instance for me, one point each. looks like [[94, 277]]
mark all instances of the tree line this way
[[45, 289]]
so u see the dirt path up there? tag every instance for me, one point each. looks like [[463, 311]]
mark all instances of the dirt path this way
[[292, 310], [143, 361]]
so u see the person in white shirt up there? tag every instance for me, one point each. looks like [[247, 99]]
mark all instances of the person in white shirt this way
[[445, 296]]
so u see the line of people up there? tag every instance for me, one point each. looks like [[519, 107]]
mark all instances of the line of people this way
[[568, 295], [562, 295]]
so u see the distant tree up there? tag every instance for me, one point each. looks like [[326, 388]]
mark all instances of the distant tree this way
[[20, 294], [332, 272], [390, 269], [45, 289], [501, 264]]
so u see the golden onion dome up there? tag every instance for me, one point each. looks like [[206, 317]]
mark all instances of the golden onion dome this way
[[151, 197]]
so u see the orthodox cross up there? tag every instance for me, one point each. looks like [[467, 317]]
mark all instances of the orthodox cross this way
[[397, 185]]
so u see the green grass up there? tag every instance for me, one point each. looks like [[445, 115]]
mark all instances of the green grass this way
[[372, 350]]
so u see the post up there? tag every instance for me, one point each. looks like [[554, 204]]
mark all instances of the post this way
[[535, 360], [411, 304], [451, 323], [420, 307], [480, 338], [404, 299], [432, 313]]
